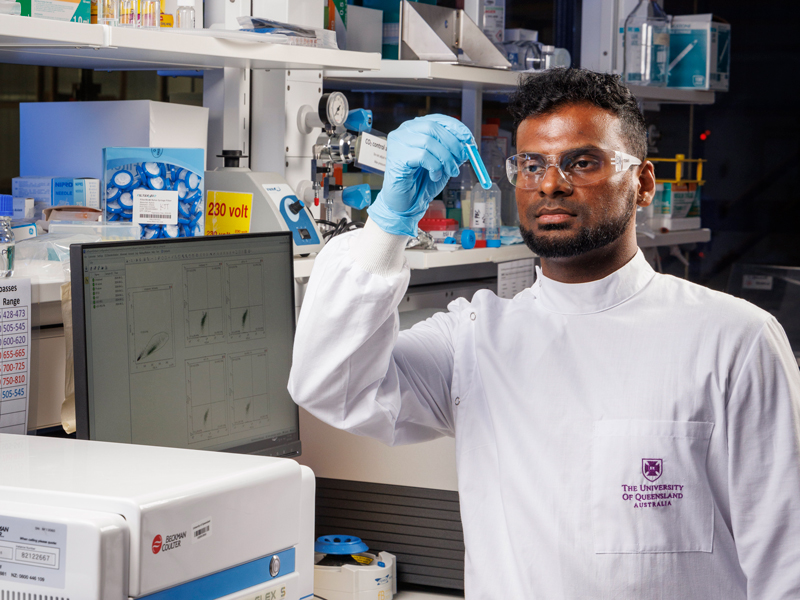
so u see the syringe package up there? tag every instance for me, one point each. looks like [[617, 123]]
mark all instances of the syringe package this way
[[160, 189]]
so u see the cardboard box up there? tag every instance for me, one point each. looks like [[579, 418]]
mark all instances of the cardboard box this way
[[676, 207], [66, 139], [364, 29], [78, 11], [699, 53], [58, 191]]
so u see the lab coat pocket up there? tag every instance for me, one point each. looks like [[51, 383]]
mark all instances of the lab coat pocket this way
[[650, 490]]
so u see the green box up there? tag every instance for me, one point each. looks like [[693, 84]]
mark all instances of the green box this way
[[78, 11]]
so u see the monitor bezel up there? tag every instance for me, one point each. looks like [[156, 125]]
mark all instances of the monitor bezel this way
[[79, 346]]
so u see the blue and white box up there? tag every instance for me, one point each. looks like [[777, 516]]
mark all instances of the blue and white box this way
[[58, 191], [160, 189], [699, 53]]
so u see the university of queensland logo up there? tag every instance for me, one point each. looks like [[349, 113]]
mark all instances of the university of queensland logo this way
[[652, 468], [156, 152]]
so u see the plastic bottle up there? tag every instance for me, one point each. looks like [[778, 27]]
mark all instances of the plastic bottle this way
[[6, 236], [184, 17], [486, 213], [646, 45]]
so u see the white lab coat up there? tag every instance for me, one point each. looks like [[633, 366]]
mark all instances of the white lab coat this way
[[636, 437]]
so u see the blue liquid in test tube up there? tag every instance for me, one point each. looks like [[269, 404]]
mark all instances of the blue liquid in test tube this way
[[478, 166]]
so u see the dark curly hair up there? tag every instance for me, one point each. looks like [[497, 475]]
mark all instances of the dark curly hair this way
[[544, 93]]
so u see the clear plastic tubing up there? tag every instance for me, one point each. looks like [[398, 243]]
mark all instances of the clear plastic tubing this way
[[478, 166]]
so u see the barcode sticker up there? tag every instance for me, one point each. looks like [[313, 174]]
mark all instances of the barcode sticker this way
[[155, 207], [201, 529]]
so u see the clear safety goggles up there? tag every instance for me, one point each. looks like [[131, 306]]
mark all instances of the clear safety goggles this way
[[583, 166]]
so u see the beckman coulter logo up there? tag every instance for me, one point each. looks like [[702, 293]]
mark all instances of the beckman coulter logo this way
[[172, 542], [652, 468]]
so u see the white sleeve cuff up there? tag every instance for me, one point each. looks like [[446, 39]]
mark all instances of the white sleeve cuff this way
[[378, 252]]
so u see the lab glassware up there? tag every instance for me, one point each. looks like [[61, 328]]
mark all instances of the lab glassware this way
[[151, 14], [9, 7], [185, 16], [128, 13], [6, 236], [646, 45], [108, 12]]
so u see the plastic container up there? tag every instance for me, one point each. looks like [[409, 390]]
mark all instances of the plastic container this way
[[185, 15], [108, 12], [151, 14], [439, 229], [6, 236], [10, 7], [486, 212], [646, 45]]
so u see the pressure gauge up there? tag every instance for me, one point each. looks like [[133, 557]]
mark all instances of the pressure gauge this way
[[333, 108]]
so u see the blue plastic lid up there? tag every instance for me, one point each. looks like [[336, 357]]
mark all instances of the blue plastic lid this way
[[339, 544], [493, 243], [468, 239], [6, 205]]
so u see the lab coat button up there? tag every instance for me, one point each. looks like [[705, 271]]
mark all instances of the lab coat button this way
[[458, 401], [473, 316]]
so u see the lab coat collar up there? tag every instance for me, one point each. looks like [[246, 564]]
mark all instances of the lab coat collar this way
[[594, 296]]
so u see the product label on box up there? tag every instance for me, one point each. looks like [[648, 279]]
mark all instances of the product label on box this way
[[33, 552], [228, 212], [757, 282], [494, 19], [155, 207], [62, 10]]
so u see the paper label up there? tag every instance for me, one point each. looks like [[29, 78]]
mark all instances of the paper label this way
[[372, 152], [33, 552], [201, 530], [155, 207], [228, 212], [757, 282], [15, 347], [478, 215], [514, 276]]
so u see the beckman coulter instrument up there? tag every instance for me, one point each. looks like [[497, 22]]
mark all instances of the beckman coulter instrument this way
[[87, 520]]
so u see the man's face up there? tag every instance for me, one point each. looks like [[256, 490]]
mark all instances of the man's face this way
[[559, 220]]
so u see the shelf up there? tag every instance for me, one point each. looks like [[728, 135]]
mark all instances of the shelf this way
[[663, 95], [25, 40], [675, 238], [415, 75], [431, 259]]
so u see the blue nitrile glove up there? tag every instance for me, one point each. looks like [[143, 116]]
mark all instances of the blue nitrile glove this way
[[423, 155]]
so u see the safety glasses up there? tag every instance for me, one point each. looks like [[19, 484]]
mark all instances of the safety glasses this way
[[583, 166]]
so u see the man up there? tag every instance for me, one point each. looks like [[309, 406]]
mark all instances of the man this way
[[620, 434]]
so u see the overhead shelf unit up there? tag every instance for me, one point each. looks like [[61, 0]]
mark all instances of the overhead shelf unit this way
[[25, 40], [419, 76]]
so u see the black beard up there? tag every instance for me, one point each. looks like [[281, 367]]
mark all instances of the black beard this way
[[586, 240]]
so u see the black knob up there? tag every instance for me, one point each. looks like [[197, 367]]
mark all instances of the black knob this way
[[296, 207]]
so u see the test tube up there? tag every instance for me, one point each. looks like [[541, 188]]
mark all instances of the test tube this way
[[478, 166]]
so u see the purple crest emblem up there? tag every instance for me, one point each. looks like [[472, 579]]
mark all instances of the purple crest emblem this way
[[652, 468]]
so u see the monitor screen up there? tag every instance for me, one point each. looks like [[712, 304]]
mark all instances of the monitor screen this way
[[186, 342]]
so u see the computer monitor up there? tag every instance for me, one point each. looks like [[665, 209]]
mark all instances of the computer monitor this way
[[186, 342]]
